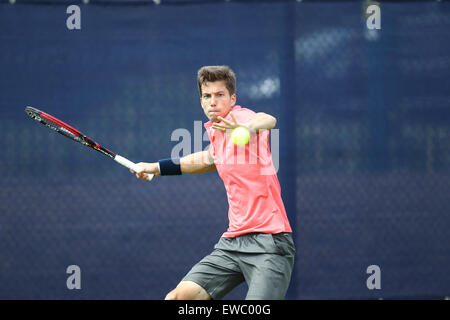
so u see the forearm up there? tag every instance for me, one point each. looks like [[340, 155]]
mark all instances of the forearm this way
[[199, 162], [261, 121], [195, 163]]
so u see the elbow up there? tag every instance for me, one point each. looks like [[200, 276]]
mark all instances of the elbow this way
[[273, 122], [263, 121]]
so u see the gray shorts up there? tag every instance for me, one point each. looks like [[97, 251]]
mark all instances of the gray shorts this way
[[264, 261]]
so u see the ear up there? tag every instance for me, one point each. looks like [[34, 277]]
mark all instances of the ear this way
[[233, 99]]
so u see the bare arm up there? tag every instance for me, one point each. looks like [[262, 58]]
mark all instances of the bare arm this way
[[260, 121], [199, 162]]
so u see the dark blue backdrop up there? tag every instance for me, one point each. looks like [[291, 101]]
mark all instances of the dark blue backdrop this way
[[364, 131]]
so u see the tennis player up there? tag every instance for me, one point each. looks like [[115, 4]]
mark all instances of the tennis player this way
[[257, 247]]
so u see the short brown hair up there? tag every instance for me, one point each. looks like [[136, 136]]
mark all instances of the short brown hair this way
[[217, 73]]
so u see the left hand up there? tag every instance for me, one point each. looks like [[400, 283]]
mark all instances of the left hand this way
[[225, 125]]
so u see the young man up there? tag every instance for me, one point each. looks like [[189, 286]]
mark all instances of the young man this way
[[257, 247]]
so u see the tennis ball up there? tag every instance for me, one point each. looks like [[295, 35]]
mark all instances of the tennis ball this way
[[240, 136]]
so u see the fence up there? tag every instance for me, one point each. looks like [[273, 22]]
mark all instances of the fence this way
[[363, 118]]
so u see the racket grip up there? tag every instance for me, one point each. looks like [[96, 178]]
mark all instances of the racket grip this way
[[130, 165]]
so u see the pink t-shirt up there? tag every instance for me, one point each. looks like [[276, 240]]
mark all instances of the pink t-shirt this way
[[253, 190]]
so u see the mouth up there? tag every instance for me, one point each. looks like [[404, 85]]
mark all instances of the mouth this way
[[214, 117]]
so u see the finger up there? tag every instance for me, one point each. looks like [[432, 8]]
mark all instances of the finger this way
[[218, 126], [222, 126], [226, 121], [232, 116]]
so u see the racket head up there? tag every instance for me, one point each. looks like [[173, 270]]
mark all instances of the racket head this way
[[72, 133]]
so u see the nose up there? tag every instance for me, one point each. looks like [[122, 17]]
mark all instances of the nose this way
[[213, 101]]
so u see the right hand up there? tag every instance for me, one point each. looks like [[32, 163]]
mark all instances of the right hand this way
[[146, 167]]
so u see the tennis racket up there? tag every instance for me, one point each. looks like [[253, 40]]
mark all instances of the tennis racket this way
[[72, 133]]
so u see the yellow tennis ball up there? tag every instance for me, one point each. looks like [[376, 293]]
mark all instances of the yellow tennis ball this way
[[240, 136]]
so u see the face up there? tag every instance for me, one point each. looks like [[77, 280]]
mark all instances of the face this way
[[216, 100]]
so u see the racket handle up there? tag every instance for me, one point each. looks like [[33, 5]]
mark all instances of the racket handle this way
[[130, 165]]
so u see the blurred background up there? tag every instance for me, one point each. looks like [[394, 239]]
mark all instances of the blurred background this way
[[364, 131]]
